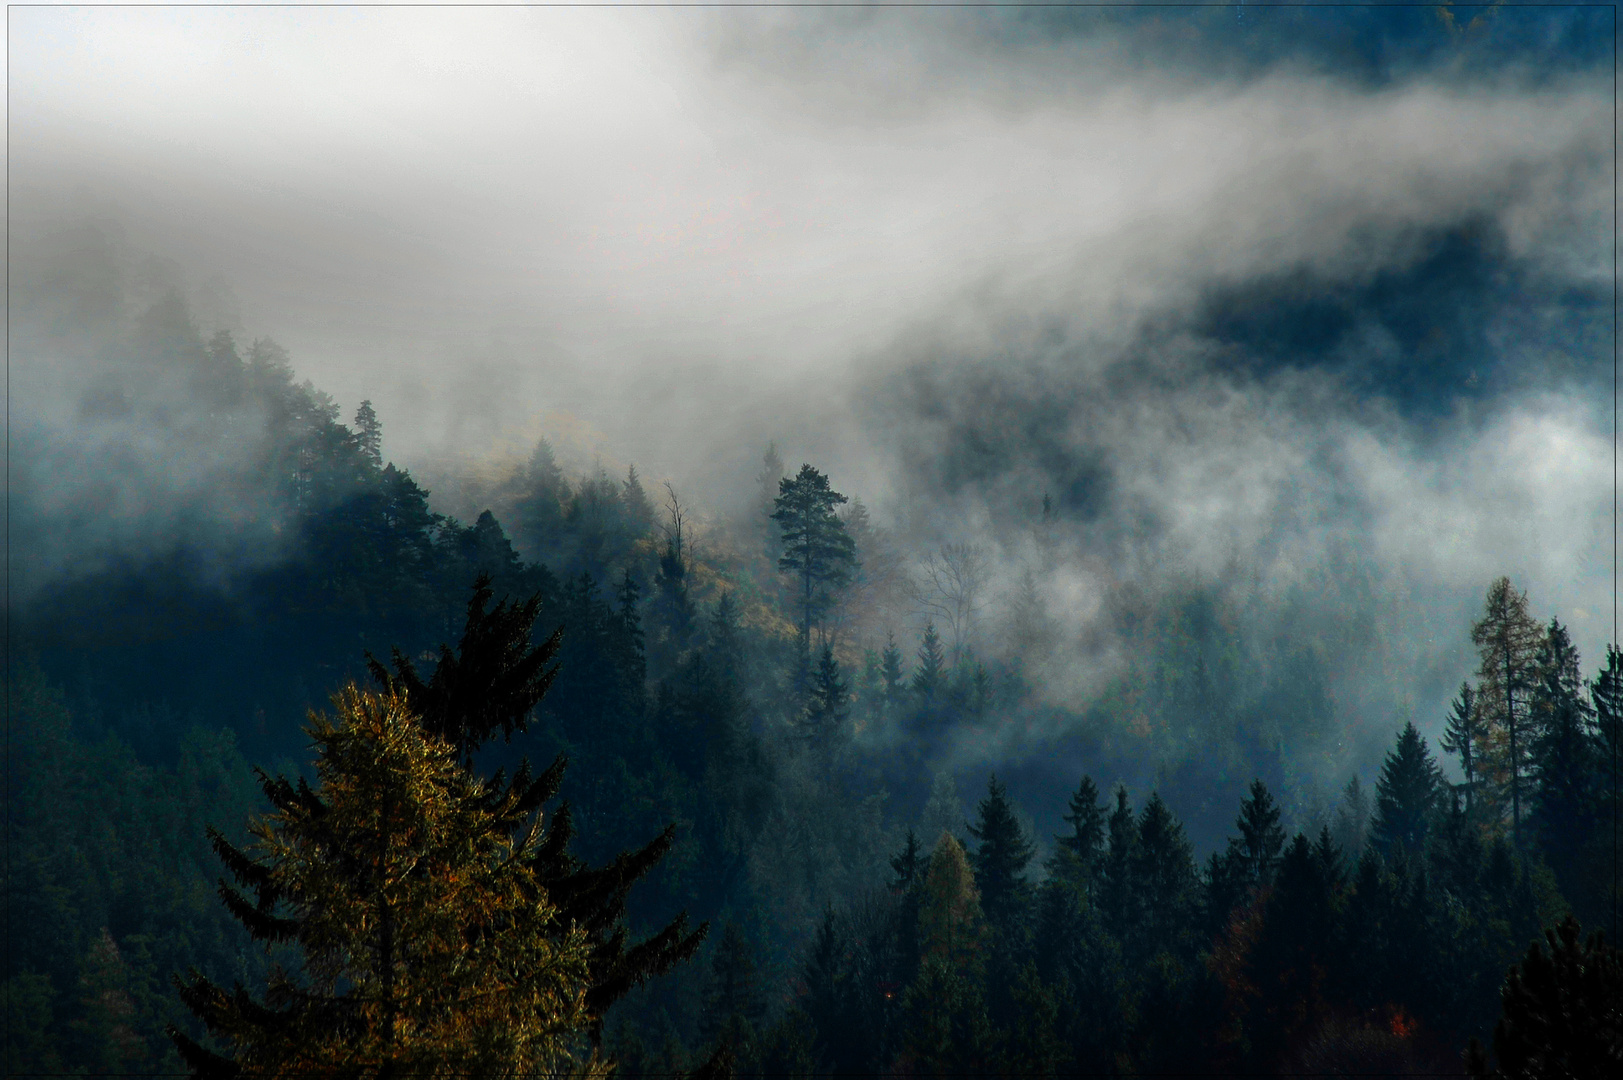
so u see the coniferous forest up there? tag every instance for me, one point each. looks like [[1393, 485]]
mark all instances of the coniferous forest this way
[[1190, 668]]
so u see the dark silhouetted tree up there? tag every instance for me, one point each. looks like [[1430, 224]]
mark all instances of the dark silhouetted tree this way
[[1463, 735], [1000, 861], [816, 548], [1406, 795]]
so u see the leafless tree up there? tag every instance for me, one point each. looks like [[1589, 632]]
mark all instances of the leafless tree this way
[[948, 587]]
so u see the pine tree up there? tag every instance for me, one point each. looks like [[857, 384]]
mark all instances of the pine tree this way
[[930, 676], [429, 941], [1000, 861], [1507, 639], [369, 435], [1462, 735], [816, 547], [1406, 795]]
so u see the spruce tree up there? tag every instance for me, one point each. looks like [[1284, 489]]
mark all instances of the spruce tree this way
[[1507, 639], [1562, 758], [829, 705], [930, 676], [908, 863], [1462, 735], [1079, 855], [1163, 871], [891, 675], [1000, 861], [734, 1001], [1119, 892], [492, 681], [1406, 795], [1261, 838]]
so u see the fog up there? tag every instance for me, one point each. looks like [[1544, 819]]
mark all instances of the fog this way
[[1333, 343]]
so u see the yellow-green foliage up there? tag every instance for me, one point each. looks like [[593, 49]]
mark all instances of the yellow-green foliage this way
[[951, 926], [429, 946]]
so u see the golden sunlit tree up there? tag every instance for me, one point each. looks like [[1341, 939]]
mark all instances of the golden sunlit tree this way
[[1507, 640], [427, 942], [952, 927]]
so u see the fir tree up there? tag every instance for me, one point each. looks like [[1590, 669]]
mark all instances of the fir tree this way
[[1078, 856], [1562, 759], [639, 509], [890, 671], [1000, 860], [907, 863], [1462, 735], [1121, 858], [1261, 839], [829, 706], [1406, 795], [734, 1001], [930, 676], [493, 681], [1351, 826], [1163, 874]]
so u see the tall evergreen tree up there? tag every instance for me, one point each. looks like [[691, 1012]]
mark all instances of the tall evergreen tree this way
[[412, 890], [1261, 839], [1000, 861], [369, 435], [930, 676], [1507, 640], [816, 548], [1462, 735], [1562, 759], [1119, 891], [829, 704], [908, 864], [1078, 857], [639, 508], [890, 671], [1406, 795], [1163, 871], [734, 1000], [492, 681]]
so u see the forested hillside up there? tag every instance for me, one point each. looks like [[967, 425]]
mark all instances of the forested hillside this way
[[794, 690]]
